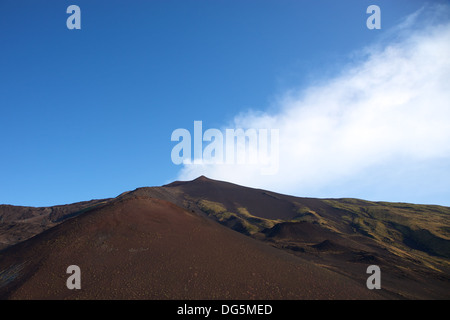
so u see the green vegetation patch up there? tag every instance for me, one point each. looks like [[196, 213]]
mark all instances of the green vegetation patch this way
[[242, 220], [420, 227]]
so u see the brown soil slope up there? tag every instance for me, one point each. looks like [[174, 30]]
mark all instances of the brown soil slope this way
[[19, 223], [146, 248], [261, 203]]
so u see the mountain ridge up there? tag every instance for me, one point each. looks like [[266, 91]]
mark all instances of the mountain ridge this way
[[410, 242]]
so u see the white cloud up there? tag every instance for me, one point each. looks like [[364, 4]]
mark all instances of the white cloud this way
[[393, 105]]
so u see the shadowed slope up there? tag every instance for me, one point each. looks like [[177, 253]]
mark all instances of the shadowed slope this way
[[261, 203]]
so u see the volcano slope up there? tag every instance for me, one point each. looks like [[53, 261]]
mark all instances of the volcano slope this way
[[208, 239], [145, 248], [410, 243], [20, 223]]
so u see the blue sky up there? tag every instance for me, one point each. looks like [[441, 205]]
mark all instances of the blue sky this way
[[89, 113]]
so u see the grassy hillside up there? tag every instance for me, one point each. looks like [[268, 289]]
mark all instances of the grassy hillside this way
[[408, 226], [241, 220]]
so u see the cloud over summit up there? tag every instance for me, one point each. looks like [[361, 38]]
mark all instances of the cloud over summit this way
[[388, 113]]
